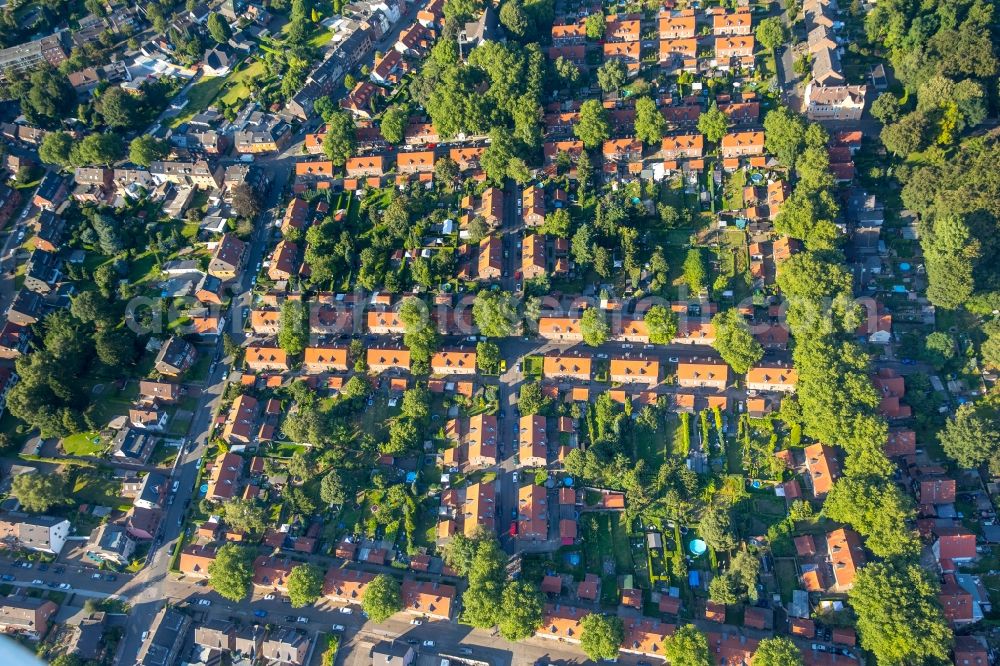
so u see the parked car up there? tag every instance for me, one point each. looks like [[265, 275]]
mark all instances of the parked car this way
[[260, 613], [38, 581], [416, 623], [338, 627], [64, 586], [346, 610], [269, 596], [302, 620], [428, 644], [204, 602]]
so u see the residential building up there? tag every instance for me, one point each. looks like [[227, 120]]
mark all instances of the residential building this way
[[198, 173], [846, 557], [532, 513], [27, 617], [707, 375], [227, 258], [176, 356], [110, 542], [318, 360], [164, 638], [132, 445], [772, 378], [567, 367], [44, 534], [533, 448], [241, 423], [824, 468], [835, 102], [266, 359], [635, 371]]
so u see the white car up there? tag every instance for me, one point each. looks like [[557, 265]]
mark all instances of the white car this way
[[204, 602], [38, 581], [338, 627], [64, 586], [145, 635], [346, 610], [428, 643], [96, 576], [416, 623], [269, 597], [303, 620]]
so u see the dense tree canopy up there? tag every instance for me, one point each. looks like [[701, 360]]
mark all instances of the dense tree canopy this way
[[899, 619], [601, 636], [231, 571], [688, 647], [520, 611], [734, 341], [382, 598], [305, 585]]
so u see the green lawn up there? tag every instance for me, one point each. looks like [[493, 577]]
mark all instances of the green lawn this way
[[92, 487], [83, 444], [532, 366], [236, 88], [199, 96]]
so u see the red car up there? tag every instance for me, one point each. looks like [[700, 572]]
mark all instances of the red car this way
[[513, 528]]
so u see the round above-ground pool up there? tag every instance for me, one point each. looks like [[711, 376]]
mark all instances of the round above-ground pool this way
[[697, 547], [573, 559], [204, 489]]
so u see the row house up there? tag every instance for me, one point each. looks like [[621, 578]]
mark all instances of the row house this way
[[242, 421], [552, 150], [677, 27], [575, 53], [200, 173], [533, 262], [622, 29], [468, 158], [772, 378], [578, 368], [533, 201], [266, 359], [742, 144], [727, 48], [361, 100], [284, 261], [490, 258], [569, 34], [635, 371], [228, 258], [823, 466], [619, 153], [682, 147], [732, 24], [415, 41], [317, 360], [532, 513], [453, 363], [389, 69], [415, 162], [420, 133], [628, 53], [703, 375], [387, 360], [532, 443], [678, 54]]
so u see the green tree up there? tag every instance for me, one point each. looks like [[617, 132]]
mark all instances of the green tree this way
[[970, 439], [446, 171], [46, 96], [601, 636], [419, 334], [649, 122], [878, 510], [713, 123], [115, 347], [593, 127], [594, 327], [785, 133], [38, 493], [661, 323], [777, 651], [520, 611], [557, 223], [97, 149], [231, 571], [907, 135], [694, 271], [244, 516], [951, 253], [293, 336], [886, 108], [218, 28], [611, 76], [716, 528], [488, 357], [515, 19], [331, 489], [340, 140], [939, 349], [734, 341], [145, 149], [118, 108], [393, 124], [594, 26], [495, 314], [688, 647], [771, 33], [382, 598], [899, 619], [305, 585], [56, 148], [246, 201], [531, 400]]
